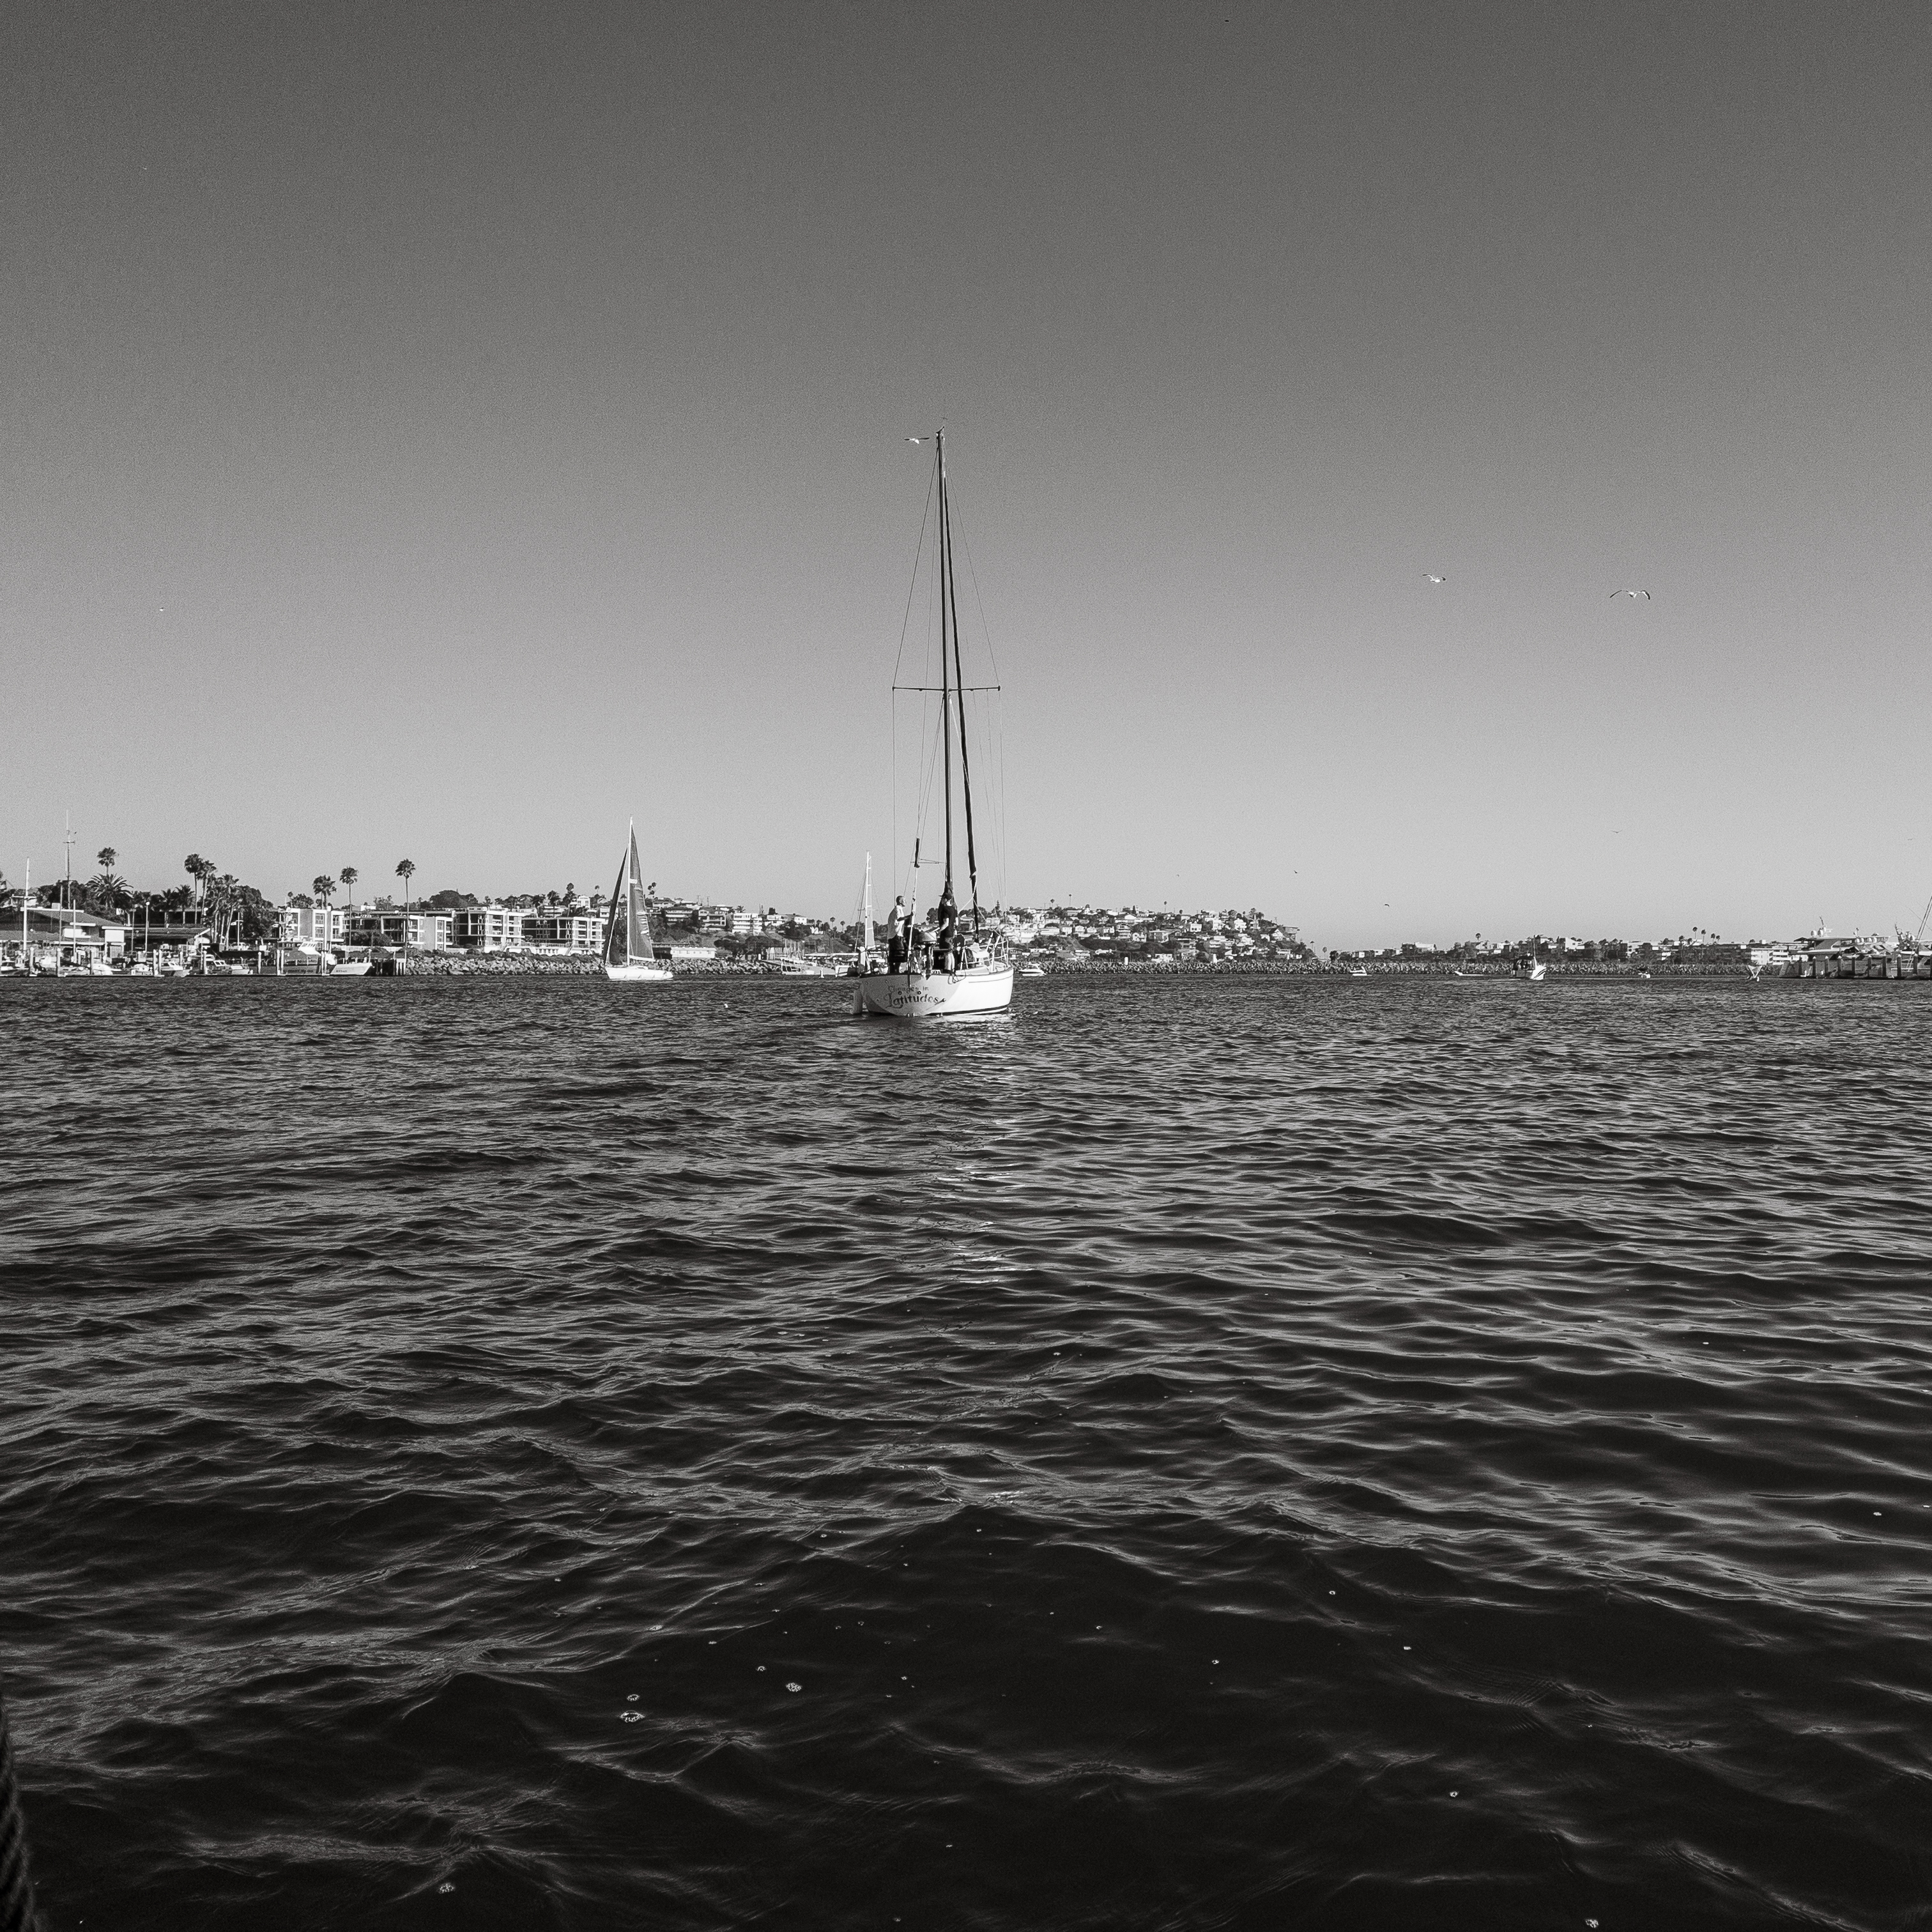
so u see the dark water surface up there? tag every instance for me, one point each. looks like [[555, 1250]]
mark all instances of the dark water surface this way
[[1192, 1454]]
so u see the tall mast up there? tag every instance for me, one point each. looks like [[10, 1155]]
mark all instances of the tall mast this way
[[945, 668], [959, 689]]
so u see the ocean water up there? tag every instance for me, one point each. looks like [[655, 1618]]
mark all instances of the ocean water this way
[[1192, 1454]]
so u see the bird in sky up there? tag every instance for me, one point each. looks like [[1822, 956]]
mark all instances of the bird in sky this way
[[1644, 594], [915, 439], [1433, 578]]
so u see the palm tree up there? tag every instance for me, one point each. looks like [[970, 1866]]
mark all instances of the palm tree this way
[[323, 886], [405, 870], [107, 855]]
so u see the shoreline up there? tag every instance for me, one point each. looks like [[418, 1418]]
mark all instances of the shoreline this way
[[456, 965]]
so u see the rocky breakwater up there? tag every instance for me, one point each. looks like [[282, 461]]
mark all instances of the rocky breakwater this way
[[448, 965]]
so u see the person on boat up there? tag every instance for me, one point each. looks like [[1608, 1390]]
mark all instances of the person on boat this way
[[897, 920], [948, 932]]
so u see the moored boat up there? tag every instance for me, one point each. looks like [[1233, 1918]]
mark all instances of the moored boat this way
[[949, 970]]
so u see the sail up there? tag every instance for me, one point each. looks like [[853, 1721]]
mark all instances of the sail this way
[[616, 932], [637, 913]]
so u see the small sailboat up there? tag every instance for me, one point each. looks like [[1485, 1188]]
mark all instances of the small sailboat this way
[[1538, 968], [628, 956], [950, 970], [868, 936]]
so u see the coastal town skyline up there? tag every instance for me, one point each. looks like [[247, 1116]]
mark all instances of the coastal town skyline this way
[[572, 911]]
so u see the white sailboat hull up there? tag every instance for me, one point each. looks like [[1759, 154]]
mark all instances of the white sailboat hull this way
[[935, 996], [628, 971]]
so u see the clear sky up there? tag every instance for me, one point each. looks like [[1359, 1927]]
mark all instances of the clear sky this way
[[449, 431]]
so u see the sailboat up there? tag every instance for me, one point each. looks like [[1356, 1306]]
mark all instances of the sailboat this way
[[627, 944], [952, 970]]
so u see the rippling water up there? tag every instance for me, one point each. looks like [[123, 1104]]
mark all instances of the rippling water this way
[[1200, 1453]]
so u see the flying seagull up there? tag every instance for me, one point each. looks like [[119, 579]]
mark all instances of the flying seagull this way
[[1644, 594], [1433, 578], [915, 439]]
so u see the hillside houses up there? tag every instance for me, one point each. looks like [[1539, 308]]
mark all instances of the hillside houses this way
[[1132, 932]]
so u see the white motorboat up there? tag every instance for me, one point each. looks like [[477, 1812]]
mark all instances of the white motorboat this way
[[1033, 972], [629, 957], [952, 970]]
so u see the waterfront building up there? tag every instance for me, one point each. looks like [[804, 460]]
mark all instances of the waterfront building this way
[[565, 931], [311, 925], [489, 928], [54, 934], [426, 932]]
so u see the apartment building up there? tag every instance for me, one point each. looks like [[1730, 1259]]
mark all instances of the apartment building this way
[[311, 925], [569, 929], [420, 931], [489, 928]]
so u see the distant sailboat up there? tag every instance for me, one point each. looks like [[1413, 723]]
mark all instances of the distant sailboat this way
[[951, 971], [627, 955], [868, 934]]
